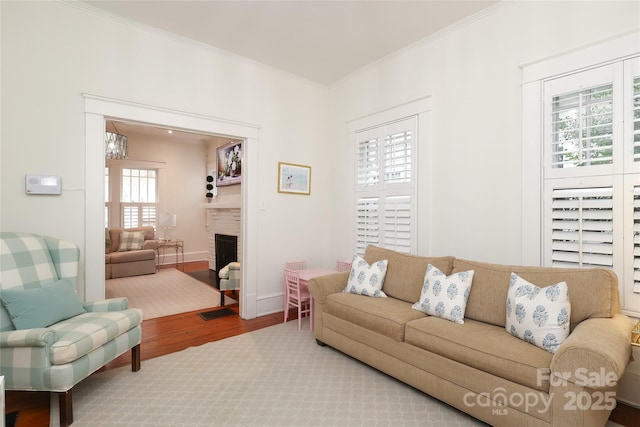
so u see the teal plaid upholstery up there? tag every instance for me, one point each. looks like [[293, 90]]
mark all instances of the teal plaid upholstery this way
[[58, 357], [230, 277]]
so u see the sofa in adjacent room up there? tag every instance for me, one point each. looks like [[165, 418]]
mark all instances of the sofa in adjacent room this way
[[133, 256], [478, 366]]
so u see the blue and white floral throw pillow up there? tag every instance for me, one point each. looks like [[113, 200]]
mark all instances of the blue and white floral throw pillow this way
[[445, 296], [539, 316], [366, 279]]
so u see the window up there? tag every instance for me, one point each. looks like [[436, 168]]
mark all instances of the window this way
[[591, 172], [139, 197], [386, 186]]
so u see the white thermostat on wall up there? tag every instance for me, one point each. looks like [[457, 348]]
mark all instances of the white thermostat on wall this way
[[43, 184]]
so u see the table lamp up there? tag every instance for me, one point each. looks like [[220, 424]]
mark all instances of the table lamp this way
[[167, 221]]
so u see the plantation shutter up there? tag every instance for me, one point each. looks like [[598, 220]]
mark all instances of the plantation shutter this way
[[368, 168], [636, 239], [582, 227], [398, 222], [130, 216], [385, 186], [582, 128], [367, 223], [139, 215], [636, 119]]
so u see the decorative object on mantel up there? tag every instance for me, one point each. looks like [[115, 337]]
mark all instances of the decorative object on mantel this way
[[635, 335], [115, 144], [212, 190], [167, 221], [229, 164], [294, 179]]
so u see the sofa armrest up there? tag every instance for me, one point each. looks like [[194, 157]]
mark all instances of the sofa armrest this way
[[36, 337], [598, 349], [150, 244], [323, 286], [111, 304]]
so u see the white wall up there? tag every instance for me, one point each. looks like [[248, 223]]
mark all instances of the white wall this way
[[473, 75], [182, 186], [53, 52]]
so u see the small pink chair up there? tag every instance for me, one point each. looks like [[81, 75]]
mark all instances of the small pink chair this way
[[297, 296], [295, 265], [343, 265]]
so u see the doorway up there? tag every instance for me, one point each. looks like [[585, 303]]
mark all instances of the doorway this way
[[97, 111]]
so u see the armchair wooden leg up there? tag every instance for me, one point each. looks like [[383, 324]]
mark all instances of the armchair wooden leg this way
[[66, 408], [135, 358]]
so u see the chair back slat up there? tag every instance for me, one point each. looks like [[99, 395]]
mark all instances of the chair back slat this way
[[295, 265]]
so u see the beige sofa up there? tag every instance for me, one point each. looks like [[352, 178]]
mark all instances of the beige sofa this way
[[477, 366], [130, 263]]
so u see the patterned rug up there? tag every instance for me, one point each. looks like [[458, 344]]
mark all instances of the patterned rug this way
[[164, 293], [276, 376]]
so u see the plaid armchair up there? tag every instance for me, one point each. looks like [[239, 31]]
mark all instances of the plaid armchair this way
[[49, 340], [229, 277]]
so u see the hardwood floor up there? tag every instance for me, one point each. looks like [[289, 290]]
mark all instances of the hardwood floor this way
[[174, 333]]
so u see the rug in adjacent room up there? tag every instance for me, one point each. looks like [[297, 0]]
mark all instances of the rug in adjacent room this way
[[164, 293]]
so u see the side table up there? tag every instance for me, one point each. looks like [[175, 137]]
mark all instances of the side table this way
[[176, 244]]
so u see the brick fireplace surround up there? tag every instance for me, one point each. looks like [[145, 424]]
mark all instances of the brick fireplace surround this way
[[222, 221]]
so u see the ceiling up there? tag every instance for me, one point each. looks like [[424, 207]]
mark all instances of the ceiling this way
[[322, 41], [133, 130]]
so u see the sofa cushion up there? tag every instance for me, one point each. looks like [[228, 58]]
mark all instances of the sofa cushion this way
[[131, 241], [405, 273], [445, 296], [594, 291], [82, 334], [540, 317], [130, 256], [41, 307], [385, 316], [486, 347], [366, 279]]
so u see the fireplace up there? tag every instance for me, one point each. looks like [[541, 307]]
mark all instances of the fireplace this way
[[226, 250]]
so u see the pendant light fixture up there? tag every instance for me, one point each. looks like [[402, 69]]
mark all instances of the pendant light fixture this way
[[115, 144]]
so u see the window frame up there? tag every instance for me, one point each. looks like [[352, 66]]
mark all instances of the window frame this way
[[420, 109], [535, 74], [115, 207]]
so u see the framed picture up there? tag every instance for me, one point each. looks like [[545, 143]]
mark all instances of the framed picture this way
[[229, 164], [294, 179]]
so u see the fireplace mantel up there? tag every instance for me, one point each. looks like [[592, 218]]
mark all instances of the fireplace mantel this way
[[223, 203]]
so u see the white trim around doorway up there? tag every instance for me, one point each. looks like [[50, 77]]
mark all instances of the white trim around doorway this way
[[97, 110]]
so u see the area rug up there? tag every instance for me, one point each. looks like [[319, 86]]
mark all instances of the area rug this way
[[164, 293], [276, 376]]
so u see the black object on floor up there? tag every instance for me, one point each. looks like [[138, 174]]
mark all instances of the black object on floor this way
[[216, 314], [10, 419], [210, 277]]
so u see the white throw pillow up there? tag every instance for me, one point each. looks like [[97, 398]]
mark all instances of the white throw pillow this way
[[539, 316], [445, 296], [366, 279]]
